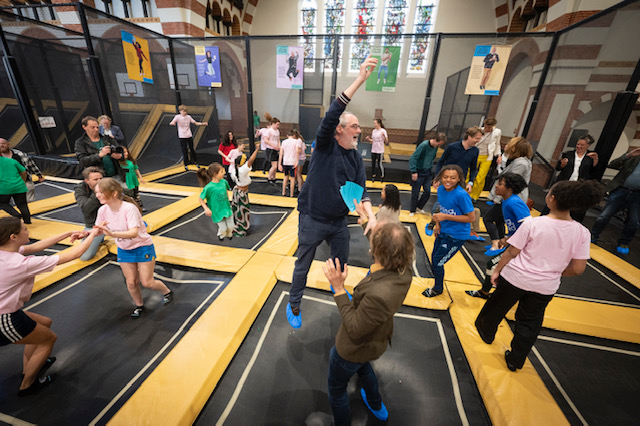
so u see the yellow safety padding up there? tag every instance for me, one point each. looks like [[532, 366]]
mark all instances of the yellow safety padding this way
[[317, 280], [199, 255], [168, 189], [43, 229], [177, 390], [161, 217], [511, 398], [284, 240], [159, 174], [380, 185], [52, 203], [397, 148], [591, 319], [66, 269], [621, 268], [273, 200]]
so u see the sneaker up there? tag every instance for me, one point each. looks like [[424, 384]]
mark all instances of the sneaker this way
[[293, 316], [381, 414], [622, 249], [144, 210], [488, 247], [420, 211], [496, 252], [510, 366], [430, 292], [137, 312], [490, 203], [167, 298], [429, 229], [36, 386], [473, 236], [47, 364], [477, 293], [412, 214], [221, 237], [347, 291], [186, 168]]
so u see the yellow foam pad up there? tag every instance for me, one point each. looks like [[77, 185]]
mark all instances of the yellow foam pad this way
[[284, 240], [180, 386], [514, 398], [51, 203], [168, 189], [43, 229], [621, 268], [161, 217], [66, 269]]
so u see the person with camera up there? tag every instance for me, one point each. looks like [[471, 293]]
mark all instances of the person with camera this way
[[92, 149]]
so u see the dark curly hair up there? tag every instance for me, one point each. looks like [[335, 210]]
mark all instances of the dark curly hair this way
[[392, 247], [391, 197], [514, 182], [579, 195], [454, 167]]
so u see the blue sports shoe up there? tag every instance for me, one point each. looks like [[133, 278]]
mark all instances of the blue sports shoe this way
[[490, 203], [295, 321], [333, 291], [381, 414], [492, 253], [475, 237], [487, 247], [622, 249]]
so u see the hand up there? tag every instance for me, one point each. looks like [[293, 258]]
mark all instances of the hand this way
[[334, 274], [78, 235], [207, 212], [142, 181], [414, 177], [105, 150], [371, 225], [366, 68], [564, 162], [469, 187], [205, 124], [435, 184], [436, 230], [279, 167], [438, 217], [360, 209], [116, 156], [494, 278], [103, 228], [594, 157], [502, 242], [40, 179], [499, 159], [634, 153]]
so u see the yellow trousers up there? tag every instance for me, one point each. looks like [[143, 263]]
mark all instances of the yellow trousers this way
[[478, 183]]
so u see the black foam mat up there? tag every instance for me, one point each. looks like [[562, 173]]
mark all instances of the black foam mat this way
[[48, 189]]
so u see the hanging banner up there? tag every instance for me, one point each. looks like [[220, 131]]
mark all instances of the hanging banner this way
[[208, 66], [383, 78], [136, 56], [289, 64], [487, 70]]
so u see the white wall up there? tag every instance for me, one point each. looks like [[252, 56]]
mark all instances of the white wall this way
[[514, 98], [465, 16]]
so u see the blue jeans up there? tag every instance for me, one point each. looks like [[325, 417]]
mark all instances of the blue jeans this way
[[93, 248], [443, 249], [311, 233], [424, 181], [620, 198], [340, 372]]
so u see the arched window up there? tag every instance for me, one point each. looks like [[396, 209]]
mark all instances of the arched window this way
[[333, 24], [395, 18], [363, 23], [421, 25], [309, 15]]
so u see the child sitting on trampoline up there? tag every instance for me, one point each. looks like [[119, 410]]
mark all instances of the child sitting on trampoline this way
[[452, 224], [19, 270], [214, 199], [133, 178], [240, 197], [120, 218], [541, 251]]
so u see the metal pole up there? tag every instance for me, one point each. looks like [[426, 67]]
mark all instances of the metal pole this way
[[174, 71], [334, 76], [250, 129], [427, 96]]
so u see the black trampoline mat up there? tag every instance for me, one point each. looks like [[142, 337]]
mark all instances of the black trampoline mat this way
[[73, 214], [187, 178], [195, 226], [287, 385], [603, 385], [48, 189], [359, 250], [100, 349]]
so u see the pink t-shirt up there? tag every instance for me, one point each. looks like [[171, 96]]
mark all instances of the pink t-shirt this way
[[124, 219], [303, 148], [547, 247], [290, 152], [264, 137], [378, 136], [18, 276], [273, 136], [184, 125]]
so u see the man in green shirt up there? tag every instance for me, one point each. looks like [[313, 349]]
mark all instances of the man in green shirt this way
[[13, 176], [256, 120], [420, 165]]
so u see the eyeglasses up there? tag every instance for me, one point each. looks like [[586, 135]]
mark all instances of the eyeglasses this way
[[354, 126]]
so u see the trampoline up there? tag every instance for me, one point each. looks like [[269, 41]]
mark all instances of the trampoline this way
[[48, 189]]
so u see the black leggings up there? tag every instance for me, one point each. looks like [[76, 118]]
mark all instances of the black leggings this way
[[21, 202], [494, 222], [377, 170], [187, 148]]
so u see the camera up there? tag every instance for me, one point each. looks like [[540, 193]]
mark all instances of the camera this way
[[116, 149]]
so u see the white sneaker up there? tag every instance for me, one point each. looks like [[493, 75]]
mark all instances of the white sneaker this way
[[420, 211], [411, 214]]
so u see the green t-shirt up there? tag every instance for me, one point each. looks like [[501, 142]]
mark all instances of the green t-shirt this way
[[215, 195], [107, 163], [256, 121], [131, 178], [12, 182]]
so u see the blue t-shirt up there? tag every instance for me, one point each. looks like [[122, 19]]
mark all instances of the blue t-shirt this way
[[456, 202], [514, 211]]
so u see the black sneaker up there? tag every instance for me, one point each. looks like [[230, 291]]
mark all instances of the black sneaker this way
[[477, 293], [510, 366], [430, 292], [36, 386], [137, 312], [167, 298]]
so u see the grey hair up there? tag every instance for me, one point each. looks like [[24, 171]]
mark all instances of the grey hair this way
[[344, 118]]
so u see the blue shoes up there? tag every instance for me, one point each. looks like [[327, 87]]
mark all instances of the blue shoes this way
[[295, 321], [490, 203], [381, 414], [492, 253], [622, 249], [474, 237], [333, 291]]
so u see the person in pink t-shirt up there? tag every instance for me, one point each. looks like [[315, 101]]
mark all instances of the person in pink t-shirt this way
[[540, 252], [184, 122], [378, 139], [120, 218], [288, 161], [301, 159], [19, 269], [270, 144]]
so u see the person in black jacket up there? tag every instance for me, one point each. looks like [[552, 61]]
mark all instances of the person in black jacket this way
[[578, 164], [91, 149]]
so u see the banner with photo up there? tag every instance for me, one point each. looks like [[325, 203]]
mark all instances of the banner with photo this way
[[383, 78], [289, 67], [208, 66], [136, 57], [487, 69]]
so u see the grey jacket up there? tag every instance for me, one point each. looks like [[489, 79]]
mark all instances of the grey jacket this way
[[521, 166]]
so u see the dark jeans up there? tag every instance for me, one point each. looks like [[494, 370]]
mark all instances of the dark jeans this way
[[187, 149], [443, 249], [377, 169], [424, 181], [529, 316], [311, 233], [620, 198], [21, 202], [340, 372], [494, 222]]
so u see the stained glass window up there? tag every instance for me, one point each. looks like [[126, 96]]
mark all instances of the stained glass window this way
[[419, 43], [334, 24], [395, 17], [364, 22], [309, 12]]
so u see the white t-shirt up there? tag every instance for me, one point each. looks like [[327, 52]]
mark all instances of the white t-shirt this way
[[547, 247], [290, 152], [378, 136], [576, 167], [303, 148], [124, 219], [243, 178]]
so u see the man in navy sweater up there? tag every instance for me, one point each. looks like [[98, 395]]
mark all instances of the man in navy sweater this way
[[464, 153], [323, 212]]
